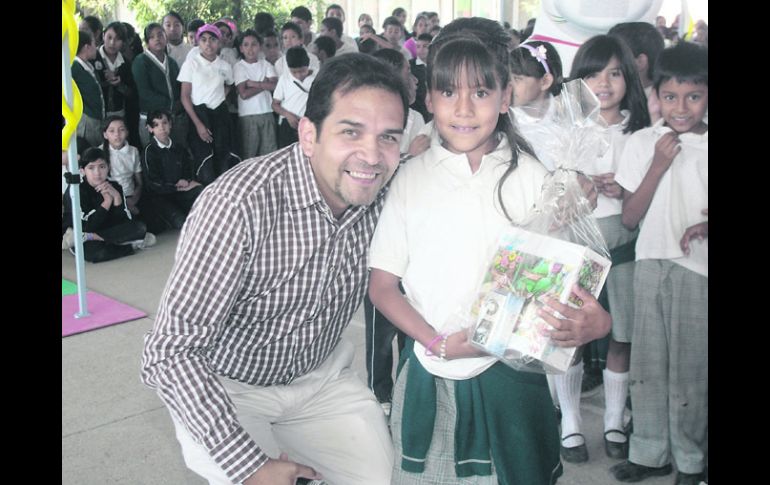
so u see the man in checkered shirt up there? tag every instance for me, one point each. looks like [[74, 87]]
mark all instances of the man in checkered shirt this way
[[270, 267]]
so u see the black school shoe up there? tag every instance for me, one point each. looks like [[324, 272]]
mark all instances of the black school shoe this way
[[616, 450], [574, 454], [688, 478], [628, 471]]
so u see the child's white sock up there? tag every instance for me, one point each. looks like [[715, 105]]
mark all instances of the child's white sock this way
[[615, 392], [568, 390]]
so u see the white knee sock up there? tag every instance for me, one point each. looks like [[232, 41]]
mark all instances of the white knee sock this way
[[568, 390], [615, 392]]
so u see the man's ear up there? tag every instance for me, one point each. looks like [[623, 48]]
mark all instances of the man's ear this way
[[306, 131]]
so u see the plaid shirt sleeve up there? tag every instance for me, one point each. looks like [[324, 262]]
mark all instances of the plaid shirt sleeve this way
[[198, 297]]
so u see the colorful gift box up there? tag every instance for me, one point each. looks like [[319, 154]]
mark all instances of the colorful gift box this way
[[526, 268]]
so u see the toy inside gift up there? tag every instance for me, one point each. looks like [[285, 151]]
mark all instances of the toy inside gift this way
[[527, 267]]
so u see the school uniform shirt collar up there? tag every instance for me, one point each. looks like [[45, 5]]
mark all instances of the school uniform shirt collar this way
[[86, 65], [438, 155], [419, 62], [123, 150], [163, 65], [161, 145], [111, 65], [660, 129]]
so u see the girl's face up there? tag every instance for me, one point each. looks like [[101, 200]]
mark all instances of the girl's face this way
[[156, 43], [365, 20], [209, 46], [112, 43], [420, 27], [529, 90], [250, 49], [227, 36], [95, 172], [116, 134], [466, 116], [609, 86]]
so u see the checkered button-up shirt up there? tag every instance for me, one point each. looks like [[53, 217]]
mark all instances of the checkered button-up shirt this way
[[265, 281]]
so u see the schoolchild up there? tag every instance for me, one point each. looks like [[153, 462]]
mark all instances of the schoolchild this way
[[108, 229], [114, 71], [206, 79], [170, 189], [458, 413], [324, 48], [255, 78], [607, 66], [290, 96], [417, 68], [291, 36], [664, 173], [192, 32], [84, 75], [155, 75], [123, 159], [177, 48]]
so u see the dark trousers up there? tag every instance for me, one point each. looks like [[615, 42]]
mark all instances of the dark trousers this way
[[213, 159], [167, 211], [286, 134], [112, 247], [379, 351]]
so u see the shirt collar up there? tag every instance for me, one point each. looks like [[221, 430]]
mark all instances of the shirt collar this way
[[437, 155], [303, 191], [123, 150], [85, 64], [161, 145], [155, 58], [419, 62], [660, 129], [118, 59]]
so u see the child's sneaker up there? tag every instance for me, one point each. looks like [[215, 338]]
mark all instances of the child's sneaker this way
[[68, 239], [148, 241]]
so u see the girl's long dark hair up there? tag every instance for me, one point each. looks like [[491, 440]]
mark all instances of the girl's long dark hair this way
[[460, 51], [594, 55]]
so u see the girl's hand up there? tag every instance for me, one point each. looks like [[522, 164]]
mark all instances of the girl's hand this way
[[608, 187], [459, 347], [698, 231], [666, 149], [204, 133], [579, 325]]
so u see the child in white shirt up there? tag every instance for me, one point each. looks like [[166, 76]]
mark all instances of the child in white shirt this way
[[290, 96]]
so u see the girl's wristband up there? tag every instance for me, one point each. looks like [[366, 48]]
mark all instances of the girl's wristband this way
[[442, 347]]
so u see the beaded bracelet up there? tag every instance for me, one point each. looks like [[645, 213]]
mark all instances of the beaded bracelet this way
[[438, 337]]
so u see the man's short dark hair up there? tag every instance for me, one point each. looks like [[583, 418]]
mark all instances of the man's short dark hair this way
[[297, 57], [333, 23], [326, 44], [302, 13], [425, 37], [348, 72]]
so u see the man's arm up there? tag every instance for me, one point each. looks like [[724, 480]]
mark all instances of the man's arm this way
[[194, 310]]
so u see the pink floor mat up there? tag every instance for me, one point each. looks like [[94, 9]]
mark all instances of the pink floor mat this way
[[103, 311]]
